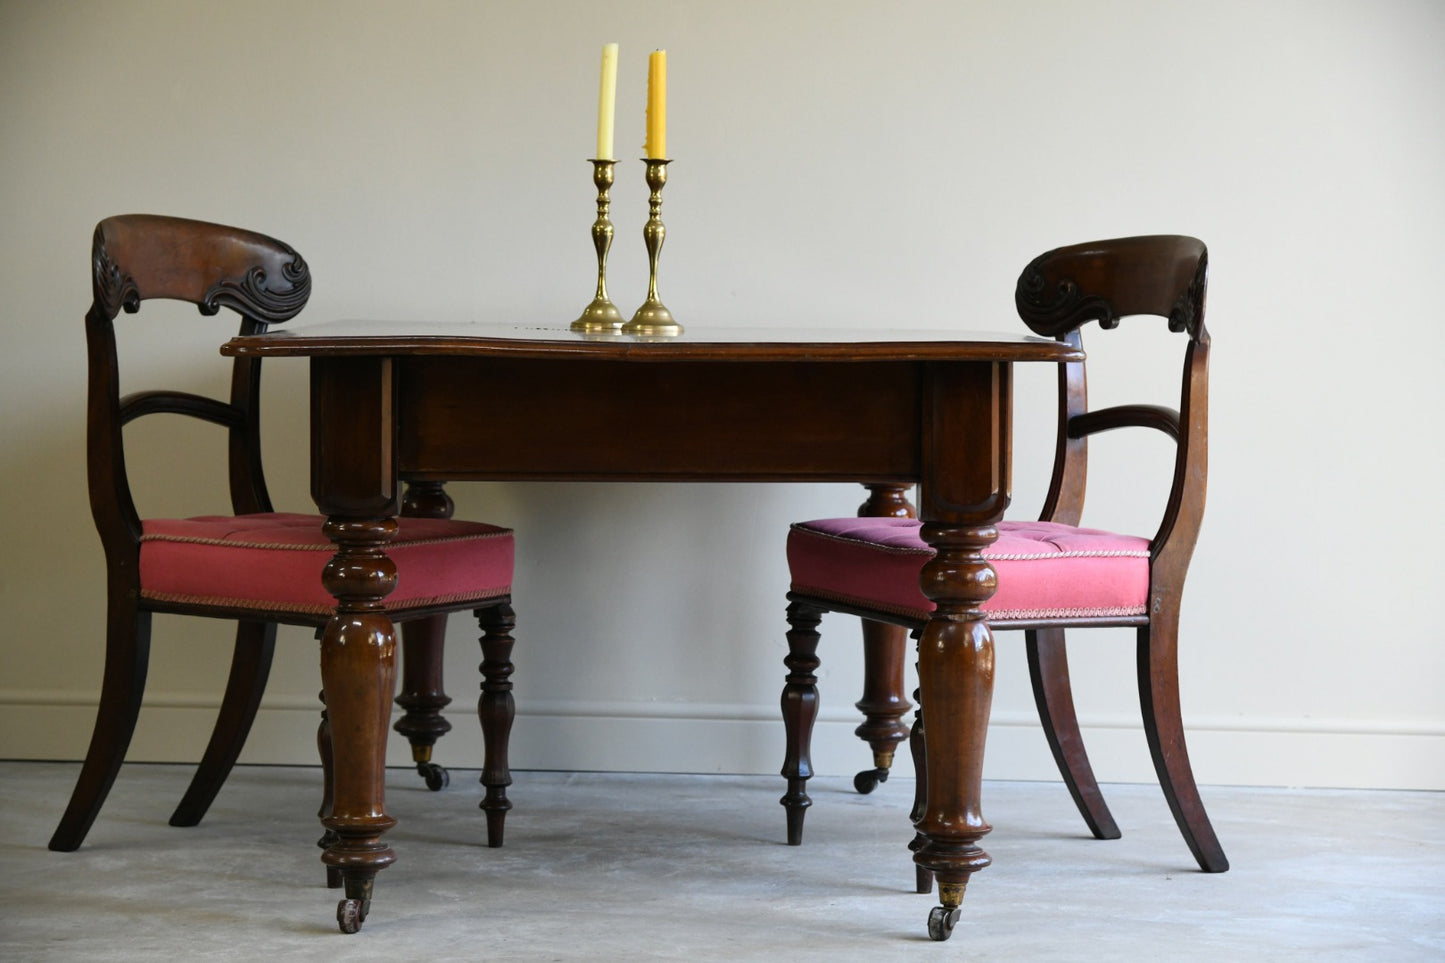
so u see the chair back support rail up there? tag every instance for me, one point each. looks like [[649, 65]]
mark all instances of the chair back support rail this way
[[1162, 275]]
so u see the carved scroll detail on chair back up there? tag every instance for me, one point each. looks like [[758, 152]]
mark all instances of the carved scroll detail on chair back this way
[[1163, 275], [139, 256]]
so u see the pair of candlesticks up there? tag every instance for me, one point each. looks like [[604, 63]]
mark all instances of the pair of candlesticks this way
[[602, 316]]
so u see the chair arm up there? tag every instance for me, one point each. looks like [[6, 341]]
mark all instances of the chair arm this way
[[140, 403], [1126, 416]]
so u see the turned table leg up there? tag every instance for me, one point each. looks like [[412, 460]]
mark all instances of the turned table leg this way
[[964, 492], [358, 674], [354, 483], [955, 672]]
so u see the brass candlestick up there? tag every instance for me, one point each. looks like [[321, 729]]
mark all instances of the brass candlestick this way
[[653, 318], [601, 314]]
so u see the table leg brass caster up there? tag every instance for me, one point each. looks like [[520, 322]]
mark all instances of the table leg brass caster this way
[[437, 778], [351, 913], [940, 923], [868, 780]]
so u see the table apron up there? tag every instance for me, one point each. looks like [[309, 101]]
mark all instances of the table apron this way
[[470, 418]]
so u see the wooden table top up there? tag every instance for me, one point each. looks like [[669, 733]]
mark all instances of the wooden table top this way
[[718, 342]]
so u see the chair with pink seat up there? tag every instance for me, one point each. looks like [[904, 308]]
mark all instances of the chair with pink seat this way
[[1053, 574], [255, 566]]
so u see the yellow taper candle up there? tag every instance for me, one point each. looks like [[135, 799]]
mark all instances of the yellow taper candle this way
[[656, 146], [607, 102]]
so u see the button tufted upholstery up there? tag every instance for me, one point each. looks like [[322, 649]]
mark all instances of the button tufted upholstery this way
[[273, 561], [1046, 570]]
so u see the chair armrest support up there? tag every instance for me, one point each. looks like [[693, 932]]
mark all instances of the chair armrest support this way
[[1126, 416], [141, 403]]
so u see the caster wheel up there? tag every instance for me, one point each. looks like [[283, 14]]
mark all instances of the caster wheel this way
[[940, 923], [868, 780], [351, 913], [437, 778]]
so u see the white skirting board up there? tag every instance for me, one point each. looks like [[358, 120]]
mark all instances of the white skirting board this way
[[692, 737]]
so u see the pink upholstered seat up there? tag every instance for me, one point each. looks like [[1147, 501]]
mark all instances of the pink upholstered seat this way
[[273, 561], [1046, 570]]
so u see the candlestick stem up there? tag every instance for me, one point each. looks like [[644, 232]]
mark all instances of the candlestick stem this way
[[653, 318], [601, 314]]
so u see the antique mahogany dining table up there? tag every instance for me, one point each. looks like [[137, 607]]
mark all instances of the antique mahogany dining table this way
[[394, 402]]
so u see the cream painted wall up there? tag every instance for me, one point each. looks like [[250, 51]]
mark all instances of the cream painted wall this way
[[835, 161]]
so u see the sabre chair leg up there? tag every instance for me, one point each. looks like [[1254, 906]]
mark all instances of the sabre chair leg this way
[[1049, 673], [1158, 666], [127, 651], [328, 790], [922, 878], [250, 667]]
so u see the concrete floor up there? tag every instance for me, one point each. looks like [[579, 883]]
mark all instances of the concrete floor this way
[[632, 867]]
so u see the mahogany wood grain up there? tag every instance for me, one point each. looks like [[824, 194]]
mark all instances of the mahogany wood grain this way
[[1104, 281], [423, 693], [885, 654], [250, 668], [136, 258], [800, 711], [1064, 501], [1054, 698], [354, 423], [496, 711], [499, 402], [491, 418], [703, 341]]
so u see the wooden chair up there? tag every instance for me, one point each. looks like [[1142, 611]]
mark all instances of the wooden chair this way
[[255, 566], [1052, 574]]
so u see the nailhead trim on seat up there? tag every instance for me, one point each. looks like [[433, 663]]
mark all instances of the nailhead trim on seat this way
[[1045, 570]]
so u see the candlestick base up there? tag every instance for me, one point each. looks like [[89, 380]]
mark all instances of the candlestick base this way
[[652, 319], [599, 316]]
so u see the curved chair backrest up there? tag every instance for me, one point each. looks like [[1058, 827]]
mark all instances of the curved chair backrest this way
[[1165, 276], [140, 257]]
